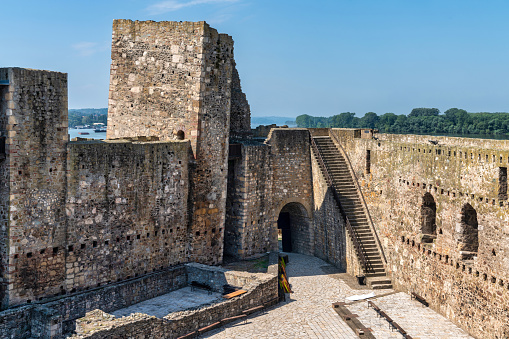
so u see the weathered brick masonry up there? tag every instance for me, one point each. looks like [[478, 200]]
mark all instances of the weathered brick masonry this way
[[407, 175]]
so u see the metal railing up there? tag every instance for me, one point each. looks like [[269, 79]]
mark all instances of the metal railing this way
[[366, 265], [345, 155]]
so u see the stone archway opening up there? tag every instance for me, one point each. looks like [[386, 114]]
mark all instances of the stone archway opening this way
[[294, 226], [181, 135], [428, 218], [467, 234]]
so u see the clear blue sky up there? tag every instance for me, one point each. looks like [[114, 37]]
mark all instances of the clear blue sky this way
[[294, 57]]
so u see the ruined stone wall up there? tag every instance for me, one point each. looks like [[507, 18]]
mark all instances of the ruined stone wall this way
[[469, 287], [52, 318], [240, 116], [262, 291], [36, 128], [136, 194], [329, 231], [250, 225], [173, 80]]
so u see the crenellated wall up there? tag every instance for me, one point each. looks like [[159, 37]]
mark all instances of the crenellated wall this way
[[408, 174]]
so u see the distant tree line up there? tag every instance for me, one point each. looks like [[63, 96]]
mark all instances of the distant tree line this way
[[87, 116], [420, 121]]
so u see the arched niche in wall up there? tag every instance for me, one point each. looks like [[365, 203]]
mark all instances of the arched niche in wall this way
[[467, 234], [181, 135], [428, 217]]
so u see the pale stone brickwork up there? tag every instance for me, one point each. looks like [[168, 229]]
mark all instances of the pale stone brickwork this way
[[136, 194], [249, 216], [35, 113], [471, 289], [292, 183], [169, 78]]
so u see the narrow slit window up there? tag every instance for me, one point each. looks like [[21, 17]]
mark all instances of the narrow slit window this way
[[368, 161]]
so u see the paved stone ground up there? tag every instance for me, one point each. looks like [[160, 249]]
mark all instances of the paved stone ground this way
[[417, 320], [309, 313], [167, 303]]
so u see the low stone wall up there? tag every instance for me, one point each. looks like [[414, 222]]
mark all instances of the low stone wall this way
[[262, 289], [57, 317], [15, 323]]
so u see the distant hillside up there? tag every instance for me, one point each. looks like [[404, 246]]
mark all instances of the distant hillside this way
[[87, 116], [88, 111], [256, 121]]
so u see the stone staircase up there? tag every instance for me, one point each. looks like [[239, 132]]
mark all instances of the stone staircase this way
[[353, 207]]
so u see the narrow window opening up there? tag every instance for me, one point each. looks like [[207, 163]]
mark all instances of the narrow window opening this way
[[368, 161]]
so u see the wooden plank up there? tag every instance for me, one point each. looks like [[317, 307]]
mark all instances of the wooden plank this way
[[348, 316], [234, 294], [210, 327], [188, 336], [225, 320], [254, 309]]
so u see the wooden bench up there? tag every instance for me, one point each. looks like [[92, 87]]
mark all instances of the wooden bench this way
[[195, 284], [234, 294], [349, 316], [253, 310], [188, 336], [397, 327], [372, 304], [362, 331], [210, 327], [271, 302], [392, 324], [419, 299], [237, 317]]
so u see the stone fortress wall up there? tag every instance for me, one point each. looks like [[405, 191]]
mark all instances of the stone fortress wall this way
[[180, 180], [460, 264], [86, 221], [173, 80]]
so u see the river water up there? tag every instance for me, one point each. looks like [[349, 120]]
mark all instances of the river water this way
[[73, 133]]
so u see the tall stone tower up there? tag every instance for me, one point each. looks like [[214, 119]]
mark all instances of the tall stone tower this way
[[173, 80], [33, 130]]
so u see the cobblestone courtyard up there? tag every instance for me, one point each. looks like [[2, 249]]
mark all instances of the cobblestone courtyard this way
[[309, 313]]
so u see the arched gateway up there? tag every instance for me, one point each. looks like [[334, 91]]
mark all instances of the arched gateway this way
[[295, 227]]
